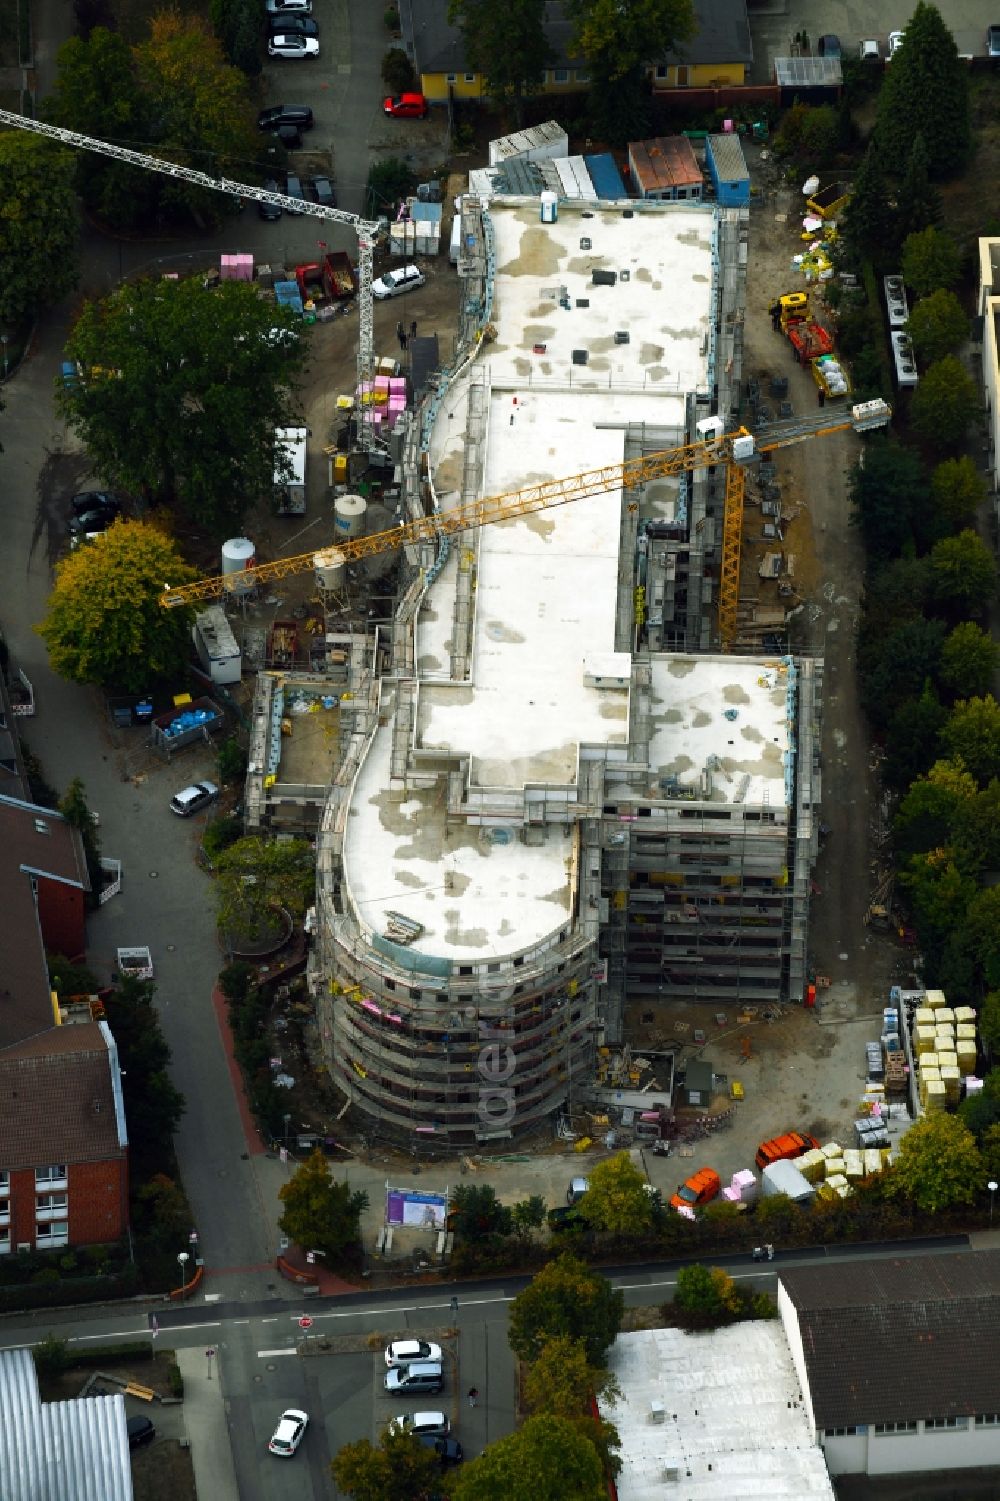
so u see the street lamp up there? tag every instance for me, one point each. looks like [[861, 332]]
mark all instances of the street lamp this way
[[286, 1119], [992, 1186], [183, 1257]]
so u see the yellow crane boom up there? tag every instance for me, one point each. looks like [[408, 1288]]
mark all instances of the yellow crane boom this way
[[735, 450]]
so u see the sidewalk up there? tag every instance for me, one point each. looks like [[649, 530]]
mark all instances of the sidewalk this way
[[207, 1429]]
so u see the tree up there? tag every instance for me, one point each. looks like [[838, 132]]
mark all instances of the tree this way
[[928, 812], [153, 1107], [104, 623], [398, 1468], [963, 573], [944, 404], [397, 71], [906, 658], [887, 492], [527, 1215], [957, 491], [69, 979], [969, 660], [939, 896], [926, 92], [868, 221], [73, 807], [989, 1021], [546, 1459], [707, 1293], [254, 876], [96, 93], [972, 736], [918, 203], [566, 1297], [938, 1164], [938, 325], [220, 357], [617, 1199], [507, 44], [561, 1380], [931, 261], [38, 233], [477, 1212], [913, 737], [236, 24], [321, 1214], [619, 39], [981, 938]]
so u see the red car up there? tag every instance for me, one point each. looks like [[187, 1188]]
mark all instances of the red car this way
[[406, 106]]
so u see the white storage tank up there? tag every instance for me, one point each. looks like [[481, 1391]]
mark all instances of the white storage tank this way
[[239, 557], [329, 568], [550, 207], [349, 513]]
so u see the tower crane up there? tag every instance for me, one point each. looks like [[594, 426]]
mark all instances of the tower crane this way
[[735, 450], [366, 230]]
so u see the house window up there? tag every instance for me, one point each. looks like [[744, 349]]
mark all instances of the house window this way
[[470, 77], [932, 1425], [51, 1206], [661, 70], [582, 76], [560, 75], [840, 1432], [988, 1419], [46, 1177], [4, 1182], [4, 1242], [52, 1233], [895, 1427], [451, 78]]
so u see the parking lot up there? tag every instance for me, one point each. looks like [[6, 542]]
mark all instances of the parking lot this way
[[774, 25]]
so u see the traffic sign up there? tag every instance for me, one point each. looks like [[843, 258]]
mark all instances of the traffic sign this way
[[209, 1352], [305, 1322]]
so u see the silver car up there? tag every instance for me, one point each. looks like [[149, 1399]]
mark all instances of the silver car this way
[[192, 799]]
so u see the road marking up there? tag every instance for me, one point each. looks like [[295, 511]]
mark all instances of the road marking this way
[[272, 1320], [81, 1339], [175, 1328], [270, 1354]]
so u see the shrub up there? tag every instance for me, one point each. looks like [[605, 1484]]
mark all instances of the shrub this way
[[219, 835], [51, 1356], [397, 71], [175, 1380]]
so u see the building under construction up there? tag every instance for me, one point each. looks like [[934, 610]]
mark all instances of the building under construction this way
[[557, 795]]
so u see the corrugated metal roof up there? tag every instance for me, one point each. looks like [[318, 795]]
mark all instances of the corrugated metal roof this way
[[59, 1451], [808, 72], [727, 153], [664, 162]]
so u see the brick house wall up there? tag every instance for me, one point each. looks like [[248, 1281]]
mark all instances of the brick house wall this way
[[96, 1204]]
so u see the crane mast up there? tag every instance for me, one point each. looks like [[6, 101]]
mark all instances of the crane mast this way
[[367, 231]]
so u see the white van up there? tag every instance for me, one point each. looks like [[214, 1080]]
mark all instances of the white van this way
[[290, 470]]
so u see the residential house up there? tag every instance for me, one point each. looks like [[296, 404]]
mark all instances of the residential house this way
[[896, 1359], [43, 880], [718, 54], [63, 1140]]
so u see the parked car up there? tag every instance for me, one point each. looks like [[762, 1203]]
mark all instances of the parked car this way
[[270, 211], [290, 23], [85, 501], [829, 46], [698, 1189], [414, 1379], [895, 42], [293, 189], [321, 190], [577, 1188], [395, 283], [297, 7], [405, 106], [448, 1450], [289, 1433], [289, 137], [140, 1431], [89, 523], [402, 1351], [435, 1423], [70, 373], [292, 45], [993, 41], [298, 116], [192, 799], [562, 1217], [786, 1147]]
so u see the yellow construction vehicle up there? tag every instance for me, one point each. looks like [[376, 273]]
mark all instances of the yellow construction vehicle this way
[[735, 451]]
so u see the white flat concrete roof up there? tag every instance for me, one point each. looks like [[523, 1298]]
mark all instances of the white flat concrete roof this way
[[690, 698], [546, 586], [734, 1424], [475, 899]]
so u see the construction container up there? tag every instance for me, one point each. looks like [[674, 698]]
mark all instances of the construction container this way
[[182, 727]]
